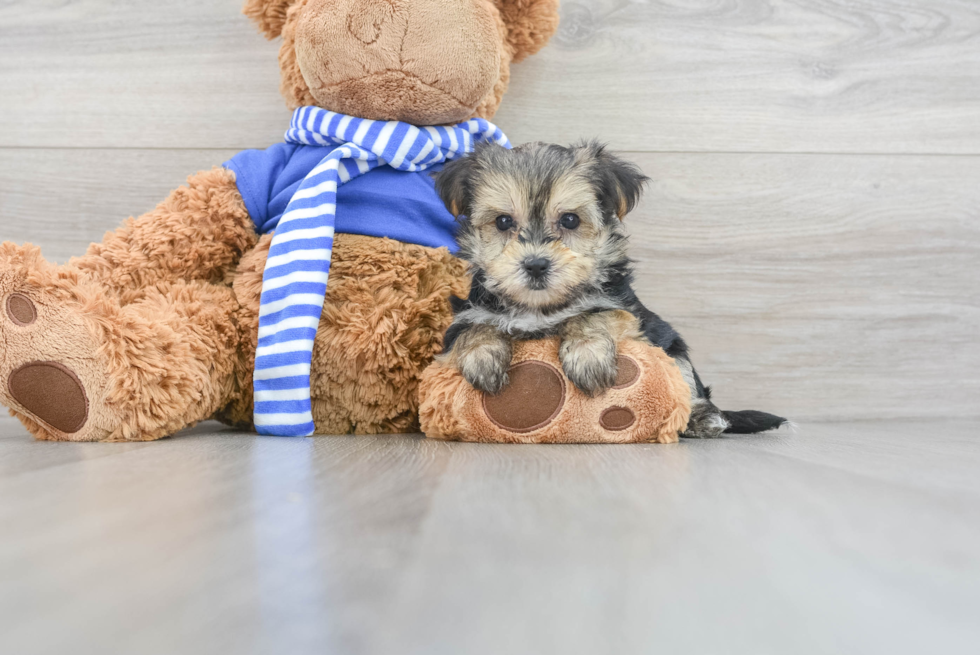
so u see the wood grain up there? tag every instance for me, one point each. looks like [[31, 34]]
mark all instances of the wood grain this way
[[844, 538], [101, 73], [63, 199], [819, 285], [742, 75], [757, 76], [816, 286]]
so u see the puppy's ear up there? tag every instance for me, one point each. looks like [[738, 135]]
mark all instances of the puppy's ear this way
[[619, 183], [269, 15], [454, 184]]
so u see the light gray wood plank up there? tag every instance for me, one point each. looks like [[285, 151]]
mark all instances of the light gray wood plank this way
[[748, 75], [62, 200], [706, 547], [757, 76], [915, 457], [843, 538], [819, 286], [231, 543], [176, 73], [21, 455], [811, 286]]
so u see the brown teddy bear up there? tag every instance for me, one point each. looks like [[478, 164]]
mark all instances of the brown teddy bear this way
[[156, 327]]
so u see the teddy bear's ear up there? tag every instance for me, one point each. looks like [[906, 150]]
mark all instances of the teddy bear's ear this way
[[530, 23], [269, 15]]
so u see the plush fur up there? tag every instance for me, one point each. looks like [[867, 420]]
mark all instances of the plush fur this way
[[155, 327], [383, 321]]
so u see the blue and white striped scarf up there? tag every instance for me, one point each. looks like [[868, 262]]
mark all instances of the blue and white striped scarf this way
[[295, 278]]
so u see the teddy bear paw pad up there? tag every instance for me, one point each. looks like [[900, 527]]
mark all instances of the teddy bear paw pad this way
[[532, 399], [51, 392]]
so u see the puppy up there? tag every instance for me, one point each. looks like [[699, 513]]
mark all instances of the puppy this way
[[541, 227]]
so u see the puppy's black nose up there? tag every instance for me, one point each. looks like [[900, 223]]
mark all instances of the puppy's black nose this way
[[536, 267]]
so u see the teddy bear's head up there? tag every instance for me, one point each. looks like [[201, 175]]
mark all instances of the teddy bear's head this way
[[426, 62]]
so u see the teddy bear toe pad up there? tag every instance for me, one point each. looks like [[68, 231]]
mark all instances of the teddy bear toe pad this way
[[627, 372], [617, 418], [21, 310]]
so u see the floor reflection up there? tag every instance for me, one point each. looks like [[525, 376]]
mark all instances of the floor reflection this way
[[291, 585]]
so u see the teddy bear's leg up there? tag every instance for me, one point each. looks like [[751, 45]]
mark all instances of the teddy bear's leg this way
[[76, 364], [386, 311], [198, 233]]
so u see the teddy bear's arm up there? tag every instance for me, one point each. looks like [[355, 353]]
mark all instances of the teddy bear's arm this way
[[198, 233]]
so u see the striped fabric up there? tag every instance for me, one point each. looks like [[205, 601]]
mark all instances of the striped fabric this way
[[295, 278]]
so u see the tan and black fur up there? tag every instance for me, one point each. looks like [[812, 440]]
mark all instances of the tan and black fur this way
[[541, 228]]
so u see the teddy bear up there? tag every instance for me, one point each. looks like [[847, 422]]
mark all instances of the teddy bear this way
[[160, 325]]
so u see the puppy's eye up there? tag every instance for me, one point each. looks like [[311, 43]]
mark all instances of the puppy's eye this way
[[504, 222], [569, 221]]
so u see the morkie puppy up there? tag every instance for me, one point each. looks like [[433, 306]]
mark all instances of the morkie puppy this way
[[541, 227]]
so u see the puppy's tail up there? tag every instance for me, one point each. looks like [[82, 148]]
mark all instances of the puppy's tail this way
[[751, 421]]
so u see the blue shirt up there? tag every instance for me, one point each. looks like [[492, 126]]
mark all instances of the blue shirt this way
[[383, 202]]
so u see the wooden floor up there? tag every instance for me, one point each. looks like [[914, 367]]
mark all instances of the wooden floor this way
[[840, 538]]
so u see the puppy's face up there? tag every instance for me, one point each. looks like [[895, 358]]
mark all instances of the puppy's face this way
[[542, 222]]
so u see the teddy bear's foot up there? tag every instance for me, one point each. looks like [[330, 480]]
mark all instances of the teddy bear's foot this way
[[647, 401], [538, 393], [51, 375], [77, 365]]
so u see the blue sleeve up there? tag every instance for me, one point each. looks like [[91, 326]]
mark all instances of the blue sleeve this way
[[256, 172]]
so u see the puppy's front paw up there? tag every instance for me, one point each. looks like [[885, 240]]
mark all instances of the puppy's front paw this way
[[482, 355], [485, 366], [589, 363]]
